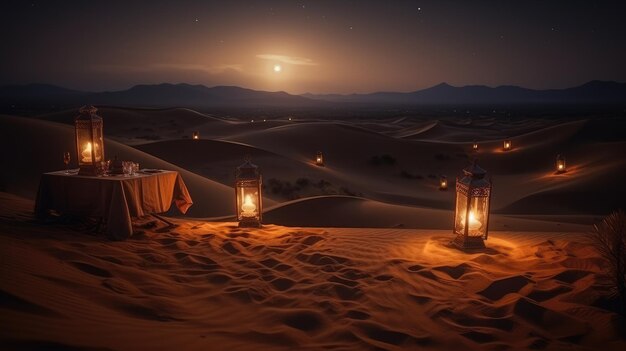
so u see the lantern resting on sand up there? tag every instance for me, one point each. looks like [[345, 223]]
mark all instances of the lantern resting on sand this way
[[89, 140], [248, 197], [319, 159], [195, 135], [507, 145], [560, 164], [473, 197]]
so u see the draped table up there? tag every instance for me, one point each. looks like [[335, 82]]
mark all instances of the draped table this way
[[116, 199]]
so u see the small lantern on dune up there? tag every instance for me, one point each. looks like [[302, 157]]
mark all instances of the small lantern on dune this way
[[195, 135], [507, 145], [475, 146], [89, 140], [319, 159], [248, 195], [560, 164], [443, 183], [473, 197]]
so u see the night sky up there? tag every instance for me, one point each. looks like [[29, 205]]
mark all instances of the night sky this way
[[320, 46]]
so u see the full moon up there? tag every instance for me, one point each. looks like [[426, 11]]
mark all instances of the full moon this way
[[277, 68]]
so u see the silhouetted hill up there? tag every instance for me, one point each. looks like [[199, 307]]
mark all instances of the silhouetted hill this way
[[34, 92], [160, 95], [594, 92], [199, 96]]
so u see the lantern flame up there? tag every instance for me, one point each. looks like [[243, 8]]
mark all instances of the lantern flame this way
[[86, 154], [474, 224], [248, 208]]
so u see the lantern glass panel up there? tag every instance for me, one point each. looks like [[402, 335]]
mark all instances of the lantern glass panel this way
[[89, 141], [478, 212], [560, 165], [319, 159], [248, 201], [461, 212]]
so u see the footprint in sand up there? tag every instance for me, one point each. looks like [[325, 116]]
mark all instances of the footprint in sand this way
[[282, 284], [93, 270], [499, 288]]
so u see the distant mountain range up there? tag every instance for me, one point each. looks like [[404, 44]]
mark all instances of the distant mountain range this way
[[170, 95], [594, 92], [158, 95]]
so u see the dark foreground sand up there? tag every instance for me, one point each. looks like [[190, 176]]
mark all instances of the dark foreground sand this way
[[213, 286]]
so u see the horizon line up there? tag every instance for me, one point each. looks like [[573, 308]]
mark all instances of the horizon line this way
[[309, 93]]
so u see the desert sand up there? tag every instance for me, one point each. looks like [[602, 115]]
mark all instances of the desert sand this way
[[205, 286], [352, 256]]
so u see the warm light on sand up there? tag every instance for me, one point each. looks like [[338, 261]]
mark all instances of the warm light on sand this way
[[277, 68]]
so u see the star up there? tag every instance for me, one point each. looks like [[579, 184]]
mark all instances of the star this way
[[351, 28], [196, 20]]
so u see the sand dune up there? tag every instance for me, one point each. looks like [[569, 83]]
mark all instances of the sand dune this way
[[29, 159], [207, 284], [524, 183], [134, 126]]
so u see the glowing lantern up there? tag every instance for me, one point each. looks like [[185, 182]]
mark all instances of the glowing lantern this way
[[89, 140], [319, 159], [507, 145], [248, 195], [195, 135], [471, 219], [560, 164], [443, 183], [475, 146]]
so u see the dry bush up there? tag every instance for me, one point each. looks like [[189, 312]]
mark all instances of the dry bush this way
[[609, 239]]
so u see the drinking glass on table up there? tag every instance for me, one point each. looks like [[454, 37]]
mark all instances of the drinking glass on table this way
[[126, 165], [66, 159], [104, 167]]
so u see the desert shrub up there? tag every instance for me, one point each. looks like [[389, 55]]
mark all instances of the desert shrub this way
[[303, 182], [609, 239], [275, 185], [323, 183], [382, 160]]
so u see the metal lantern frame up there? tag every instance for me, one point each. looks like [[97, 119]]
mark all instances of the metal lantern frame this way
[[475, 146], [248, 182], [319, 159], [195, 135], [88, 131], [561, 166], [473, 190]]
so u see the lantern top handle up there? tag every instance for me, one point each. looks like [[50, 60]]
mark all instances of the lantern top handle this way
[[247, 163], [88, 113], [474, 170], [88, 109]]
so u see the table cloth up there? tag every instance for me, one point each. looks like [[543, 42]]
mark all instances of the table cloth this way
[[115, 198]]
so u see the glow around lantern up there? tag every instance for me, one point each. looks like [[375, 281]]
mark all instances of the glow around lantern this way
[[248, 208]]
